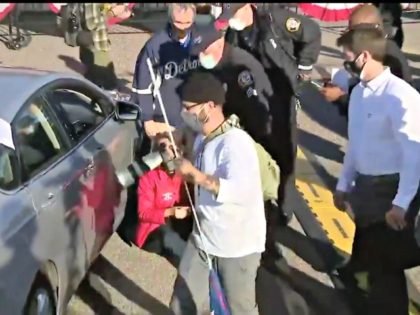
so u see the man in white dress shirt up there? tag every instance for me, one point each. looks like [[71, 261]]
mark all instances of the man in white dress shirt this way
[[229, 204], [381, 170]]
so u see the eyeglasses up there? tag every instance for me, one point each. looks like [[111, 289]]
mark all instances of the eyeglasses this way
[[192, 106]]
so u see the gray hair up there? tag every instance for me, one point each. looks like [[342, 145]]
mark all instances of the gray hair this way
[[182, 6]]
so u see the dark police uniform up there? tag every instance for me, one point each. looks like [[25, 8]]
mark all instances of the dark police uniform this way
[[248, 88], [286, 44], [391, 16]]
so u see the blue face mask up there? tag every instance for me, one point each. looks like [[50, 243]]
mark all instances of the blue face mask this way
[[207, 61]]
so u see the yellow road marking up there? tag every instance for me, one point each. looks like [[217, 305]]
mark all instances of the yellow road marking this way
[[338, 225]]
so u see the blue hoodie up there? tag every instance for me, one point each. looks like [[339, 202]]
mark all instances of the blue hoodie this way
[[173, 61]]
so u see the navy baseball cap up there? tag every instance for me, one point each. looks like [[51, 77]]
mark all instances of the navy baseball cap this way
[[229, 10], [204, 36]]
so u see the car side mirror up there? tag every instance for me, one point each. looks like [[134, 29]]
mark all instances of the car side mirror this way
[[127, 111]]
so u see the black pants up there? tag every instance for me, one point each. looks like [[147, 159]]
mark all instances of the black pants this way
[[381, 251], [166, 242]]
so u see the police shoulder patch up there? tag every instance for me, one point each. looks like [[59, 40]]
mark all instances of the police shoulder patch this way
[[245, 79], [293, 24]]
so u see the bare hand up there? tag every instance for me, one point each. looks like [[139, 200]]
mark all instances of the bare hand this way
[[332, 93], [182, 212], [185, 168], [396, 218], [152, 128], [340, 198], [121, 11], [305, 75]]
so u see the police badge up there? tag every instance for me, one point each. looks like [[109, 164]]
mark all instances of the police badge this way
[[245, 79], [292, 25]]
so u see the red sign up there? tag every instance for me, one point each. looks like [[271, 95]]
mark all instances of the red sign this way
[[55, 7], [5, 8]]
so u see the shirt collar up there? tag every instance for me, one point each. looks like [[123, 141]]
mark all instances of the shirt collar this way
[[379, 80]]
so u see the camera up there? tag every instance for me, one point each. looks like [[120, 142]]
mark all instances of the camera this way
[[147, 163]]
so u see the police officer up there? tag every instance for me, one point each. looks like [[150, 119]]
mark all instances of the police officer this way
[[247, 85], [368, 16], [287, 45]]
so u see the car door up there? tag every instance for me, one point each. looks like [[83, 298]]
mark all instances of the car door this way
[[17, 230], [48, 172], [106, 146]]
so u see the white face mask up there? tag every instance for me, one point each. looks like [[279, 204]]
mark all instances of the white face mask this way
[[192, 120], [236, 24], [215, 11], [207, 61]]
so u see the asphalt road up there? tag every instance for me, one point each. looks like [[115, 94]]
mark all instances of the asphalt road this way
[[126, 280]]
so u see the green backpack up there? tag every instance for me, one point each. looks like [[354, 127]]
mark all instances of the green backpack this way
[[269, 170]]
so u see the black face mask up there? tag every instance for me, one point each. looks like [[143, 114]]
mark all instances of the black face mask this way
[[352, 68], [168, 163], [179, 34]]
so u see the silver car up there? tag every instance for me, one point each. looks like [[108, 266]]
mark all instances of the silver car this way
[[62, 143]]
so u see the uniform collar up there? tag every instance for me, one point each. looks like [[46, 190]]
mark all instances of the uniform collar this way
[[379, 80]]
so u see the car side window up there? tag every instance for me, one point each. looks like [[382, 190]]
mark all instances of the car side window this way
[[9, 177], [82, 112], [37, 136]]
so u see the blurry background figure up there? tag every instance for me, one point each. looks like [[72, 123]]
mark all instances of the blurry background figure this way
[[391, 15], [95, 44], [162, 203]]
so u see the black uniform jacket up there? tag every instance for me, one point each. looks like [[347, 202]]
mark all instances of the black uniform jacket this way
[[248, 90], [284, 42]]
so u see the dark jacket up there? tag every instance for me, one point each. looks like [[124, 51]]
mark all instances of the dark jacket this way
[[283, 41], [391, 16], [173, 62], [248, 90]]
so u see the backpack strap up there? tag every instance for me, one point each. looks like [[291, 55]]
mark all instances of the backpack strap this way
[[231, 122]]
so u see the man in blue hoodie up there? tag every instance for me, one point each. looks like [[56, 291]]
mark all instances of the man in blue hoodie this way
[[169, 52]]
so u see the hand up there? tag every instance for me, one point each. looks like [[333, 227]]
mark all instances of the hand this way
[[152, 128], [185, 168], [396, 218], [120, 11], [305, 75], [182, 212], [332, 93], [340, 198]]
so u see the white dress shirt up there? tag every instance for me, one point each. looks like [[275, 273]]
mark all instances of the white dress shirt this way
[[384, 134], [233, 222]]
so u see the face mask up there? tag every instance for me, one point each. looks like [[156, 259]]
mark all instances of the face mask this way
[[236, 24], [215, 11], [353, 69], [193, 121], [207, 61], [180, 34]]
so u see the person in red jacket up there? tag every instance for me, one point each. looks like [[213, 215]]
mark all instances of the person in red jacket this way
[[161, 199]]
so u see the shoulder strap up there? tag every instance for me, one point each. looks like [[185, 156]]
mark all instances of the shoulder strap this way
[[231, 122]]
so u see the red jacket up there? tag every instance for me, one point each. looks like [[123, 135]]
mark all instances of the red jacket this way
[[156, 192]]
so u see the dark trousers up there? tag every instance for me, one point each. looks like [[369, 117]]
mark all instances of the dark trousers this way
[[99, 67], [379, 250], [166, 242]]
